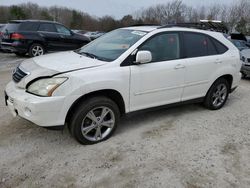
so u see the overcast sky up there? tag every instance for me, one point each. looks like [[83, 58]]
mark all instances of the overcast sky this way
[[116, 8]]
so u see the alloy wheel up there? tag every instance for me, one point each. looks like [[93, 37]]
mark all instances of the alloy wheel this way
[[98, 123], [37, 51], [219, 95]]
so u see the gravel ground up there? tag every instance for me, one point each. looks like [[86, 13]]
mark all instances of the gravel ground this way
[[186, 146]]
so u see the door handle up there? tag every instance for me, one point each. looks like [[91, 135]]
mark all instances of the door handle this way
[[41, 34], [217, 61], [179, 66]]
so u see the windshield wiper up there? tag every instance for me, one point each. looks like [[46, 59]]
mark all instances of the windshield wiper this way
[[89, 55], [92, 56]]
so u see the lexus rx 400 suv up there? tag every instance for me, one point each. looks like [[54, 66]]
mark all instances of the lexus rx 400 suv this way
[[126, 70], [36, 37]]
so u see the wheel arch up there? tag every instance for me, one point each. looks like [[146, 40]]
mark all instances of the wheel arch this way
[[39, 42], [227, 77], [109, 93]]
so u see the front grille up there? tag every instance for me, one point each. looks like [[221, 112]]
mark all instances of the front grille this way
[[11, 100], [18, 75]]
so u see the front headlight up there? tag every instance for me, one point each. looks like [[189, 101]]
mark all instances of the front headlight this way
[[45, 86]]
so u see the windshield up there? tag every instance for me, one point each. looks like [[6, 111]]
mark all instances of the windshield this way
[[110, 46]]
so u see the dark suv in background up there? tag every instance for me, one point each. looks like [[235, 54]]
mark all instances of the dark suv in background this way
[[37, 37]]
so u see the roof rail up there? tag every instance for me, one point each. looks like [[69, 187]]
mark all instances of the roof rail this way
[[209, 25], [135, 25]]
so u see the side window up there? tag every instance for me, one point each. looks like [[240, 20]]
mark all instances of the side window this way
[[220, 47], [63, 30], [47, 27], [163, 47], [197, 45], [29, 26], [211, 50]]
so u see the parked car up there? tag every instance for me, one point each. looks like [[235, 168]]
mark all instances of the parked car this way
[[82, 32], [37, 37], [126, 70], [240, 44], [1, 32], [79, 31], [94, 35], [1, 26], [245, 56]]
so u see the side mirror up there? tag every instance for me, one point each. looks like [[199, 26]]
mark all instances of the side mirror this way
[[72, 32], [143, 57]]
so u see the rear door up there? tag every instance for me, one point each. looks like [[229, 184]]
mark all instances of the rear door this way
[[202, 59], [52, 39]]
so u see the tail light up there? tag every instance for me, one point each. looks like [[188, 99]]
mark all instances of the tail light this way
[[16, 36], [1, 33]]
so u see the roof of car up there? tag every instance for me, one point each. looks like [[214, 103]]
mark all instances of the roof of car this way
[[143, 28], [173, 28], [21, 21], [198, 26]]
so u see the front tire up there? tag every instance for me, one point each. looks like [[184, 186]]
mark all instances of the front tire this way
[[243, 75], [36, 50], [217, 94], [20, 54], [94, 120]]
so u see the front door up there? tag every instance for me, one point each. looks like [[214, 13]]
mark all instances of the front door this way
[[67, 38], [161, 81]]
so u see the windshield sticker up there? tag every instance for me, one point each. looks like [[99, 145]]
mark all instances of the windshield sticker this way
[[124, 46], [140, 33]]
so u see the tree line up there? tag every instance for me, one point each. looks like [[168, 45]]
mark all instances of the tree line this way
[[236, 15]]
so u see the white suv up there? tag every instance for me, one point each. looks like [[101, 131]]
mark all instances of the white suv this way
[[126, 70]]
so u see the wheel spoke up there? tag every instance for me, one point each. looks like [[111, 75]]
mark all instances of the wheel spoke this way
[[105, 112], [91, 115], [98, 133], [86, 130], [108, 124], [223, 91], [215, 101]]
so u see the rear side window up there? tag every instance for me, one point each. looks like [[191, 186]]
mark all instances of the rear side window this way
[[47, 27], [29, 26], [198, 45], [11, 27], [219, 46]]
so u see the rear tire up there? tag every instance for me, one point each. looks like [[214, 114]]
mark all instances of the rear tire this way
[[36, 50], [217, 94], [94, 120]]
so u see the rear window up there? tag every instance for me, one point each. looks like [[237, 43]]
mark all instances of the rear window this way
[[47, 27], [29, 26], [221, 48], [198, 45], [11, 27]]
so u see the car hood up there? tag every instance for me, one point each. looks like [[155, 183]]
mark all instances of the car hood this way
[[57, 63], [245, 53]]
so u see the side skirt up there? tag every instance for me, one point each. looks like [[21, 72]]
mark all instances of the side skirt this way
[[192, 101]]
